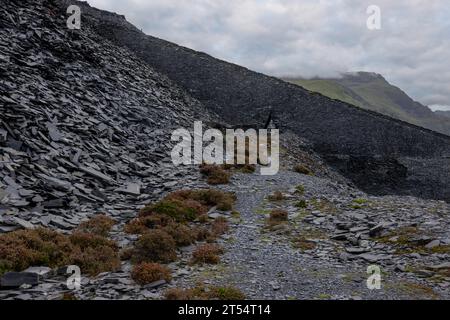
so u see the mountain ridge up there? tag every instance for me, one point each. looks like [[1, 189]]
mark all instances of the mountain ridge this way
[[373, 92]]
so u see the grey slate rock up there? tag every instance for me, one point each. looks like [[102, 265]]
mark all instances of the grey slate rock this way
[[433, 244], [24, 224], [155, 284], [12, 280], [43, 272]]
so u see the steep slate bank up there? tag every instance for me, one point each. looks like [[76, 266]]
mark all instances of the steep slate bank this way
[[85, 126], [336, 129]]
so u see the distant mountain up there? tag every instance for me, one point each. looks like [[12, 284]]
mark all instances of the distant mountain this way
[[443, 113], [372, 91]]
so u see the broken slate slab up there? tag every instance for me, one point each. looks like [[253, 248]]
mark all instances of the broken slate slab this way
[[3, 194], [60, 223], [96, 174], [43, 272], [433, 244], [156, 284], [12, 280], [54, 133], [24, 224], [133, 189]]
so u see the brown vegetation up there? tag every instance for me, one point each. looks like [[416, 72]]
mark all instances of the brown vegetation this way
[[155, 246], [215, 174], [93, 253], [207, 254], [303, 170], [145, 273]]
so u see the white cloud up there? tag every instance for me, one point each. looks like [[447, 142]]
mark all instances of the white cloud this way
[[310, 38]]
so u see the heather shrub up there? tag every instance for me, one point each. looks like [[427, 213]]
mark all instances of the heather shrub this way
[[142, 224], [215, 174], [302, 204], [179, 294], [202, 233], [207, 254], [207, 197], [302, 170], [276, 196], [180, 211], [220, 226], [24, 248], [92, 253], [278, 215], [100, 225], [155, 246], [145, 273], [182, 234]]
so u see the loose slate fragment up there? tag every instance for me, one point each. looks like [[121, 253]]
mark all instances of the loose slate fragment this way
[[13, 280], [133, 189], [96, 174], [24, 224], [60, 223], [3, 194], [53, 132], [3, 135], [43, 272]]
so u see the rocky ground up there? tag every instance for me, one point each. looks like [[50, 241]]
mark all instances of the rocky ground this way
[[322, 252], [85, 129], [345, 228]]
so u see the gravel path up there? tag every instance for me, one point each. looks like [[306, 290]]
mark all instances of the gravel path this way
[[266, 266]]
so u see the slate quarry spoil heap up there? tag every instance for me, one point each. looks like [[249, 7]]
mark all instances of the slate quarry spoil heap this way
[[84, 125]]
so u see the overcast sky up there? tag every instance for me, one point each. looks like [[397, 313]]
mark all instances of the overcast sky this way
[[311, 37]]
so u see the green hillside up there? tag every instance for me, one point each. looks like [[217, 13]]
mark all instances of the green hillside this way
[[371, 91]]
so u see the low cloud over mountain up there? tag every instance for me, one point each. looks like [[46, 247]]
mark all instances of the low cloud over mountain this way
[[304, 38]]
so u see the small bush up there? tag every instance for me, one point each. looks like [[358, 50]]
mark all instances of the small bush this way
[[215, 174], [207, 197], [135, 226], [220, 226], [302, 204], [100, 225], [22, 249], [207, 254], [67, 296], [300, 190], [202, 233], [302, 170], [126, 254], [236, 214], [179, 294], [94, 254], [155, 246], [226, 293], [248, 168], [278, 215], [276, 196], [180, 211], [146, 273], [303, 244], [203, 218], [142, 224], [360, 201], [182, 234]]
